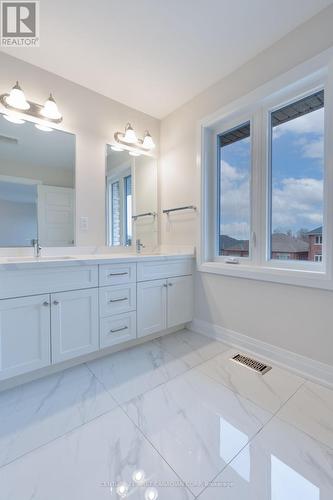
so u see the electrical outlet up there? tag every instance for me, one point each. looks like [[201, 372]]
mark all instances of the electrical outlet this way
[[84, 223]]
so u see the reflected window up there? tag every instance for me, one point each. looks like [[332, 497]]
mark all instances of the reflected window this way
[[231, 441], [287, 484], [128, 209]]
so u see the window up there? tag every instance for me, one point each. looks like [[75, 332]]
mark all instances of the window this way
[[234, 191], [119, 206], [128, 209], [115, 211], [297, 171], [267, 177]]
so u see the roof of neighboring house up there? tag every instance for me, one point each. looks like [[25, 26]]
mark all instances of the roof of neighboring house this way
[[285, 243], [318, 230], [280, 243]]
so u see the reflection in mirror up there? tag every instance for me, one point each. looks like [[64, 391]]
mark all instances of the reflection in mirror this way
[[37, 186], [131, 190]]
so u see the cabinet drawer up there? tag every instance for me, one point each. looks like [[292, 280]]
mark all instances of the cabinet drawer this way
[[164, 269], [117, 299], [117, 274], [19, 283], [117, 329]]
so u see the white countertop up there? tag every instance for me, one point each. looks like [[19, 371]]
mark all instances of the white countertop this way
[[7, 263]]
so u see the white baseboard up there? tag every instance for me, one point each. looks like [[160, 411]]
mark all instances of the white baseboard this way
[[301, 365]]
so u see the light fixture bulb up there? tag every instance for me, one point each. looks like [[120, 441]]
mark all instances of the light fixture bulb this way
[[151, 494], [116, 148], [148, 142], [138, 476], [134, 153], [16, 98], [13, 118], [122, 489], [130, 135], [44, 128], [50, 109]]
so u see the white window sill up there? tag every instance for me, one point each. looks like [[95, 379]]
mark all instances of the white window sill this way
[[296, 277]]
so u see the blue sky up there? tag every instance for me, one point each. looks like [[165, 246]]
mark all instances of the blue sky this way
[[297, 178]]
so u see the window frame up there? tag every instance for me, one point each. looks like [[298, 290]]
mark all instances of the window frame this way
[[111, 179], [297, 83], [230, 125]]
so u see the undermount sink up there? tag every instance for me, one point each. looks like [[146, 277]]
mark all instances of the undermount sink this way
[[40, 259]]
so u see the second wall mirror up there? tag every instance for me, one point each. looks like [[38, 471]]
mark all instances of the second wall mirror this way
[[131, 199]]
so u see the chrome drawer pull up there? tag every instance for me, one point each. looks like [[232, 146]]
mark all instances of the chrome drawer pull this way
[[119, 329], [45, 304], [118, 274], [119, 300]]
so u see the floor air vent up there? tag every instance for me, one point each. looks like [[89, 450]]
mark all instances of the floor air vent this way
[[253, 364]]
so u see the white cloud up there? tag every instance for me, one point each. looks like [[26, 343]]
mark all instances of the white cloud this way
[[313, 149], [297, 203], [311, 123], [238, 230]]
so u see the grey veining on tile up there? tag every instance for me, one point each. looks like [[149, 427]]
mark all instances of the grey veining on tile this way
[[197, 424], [128, 373], [35, 413], [281, 463], [311, 410], [270, 391], [89, 463], [191, 347]]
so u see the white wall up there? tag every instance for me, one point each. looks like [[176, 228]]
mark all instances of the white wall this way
[[297, 319], [94, 119]]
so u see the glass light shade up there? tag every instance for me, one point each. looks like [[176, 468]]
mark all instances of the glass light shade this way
[[50, 109], [130, 135], [148, 142], [134, 153], [122, 489], [13, 118], [16, 98], [138, 476], [44, 128]]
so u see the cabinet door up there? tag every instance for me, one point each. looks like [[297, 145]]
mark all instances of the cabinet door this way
[[151, 307], [180, 300], [24, 335], [74, 324]]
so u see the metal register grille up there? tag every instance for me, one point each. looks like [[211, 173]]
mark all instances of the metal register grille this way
[[253, 364]]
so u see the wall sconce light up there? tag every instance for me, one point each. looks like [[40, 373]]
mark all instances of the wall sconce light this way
[[17, 104], [129, 141]]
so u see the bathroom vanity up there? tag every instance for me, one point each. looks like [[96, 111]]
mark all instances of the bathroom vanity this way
[[60, 310]]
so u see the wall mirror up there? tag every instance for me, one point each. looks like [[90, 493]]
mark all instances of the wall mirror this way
[[131, 199], [37, 186]]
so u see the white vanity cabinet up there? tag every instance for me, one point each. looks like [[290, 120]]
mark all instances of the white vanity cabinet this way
[[24, 335], [52, 314], [164, 303], [74, 324]]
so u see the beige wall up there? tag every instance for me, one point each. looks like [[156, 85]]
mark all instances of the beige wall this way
[[297, 319], [94, 119]]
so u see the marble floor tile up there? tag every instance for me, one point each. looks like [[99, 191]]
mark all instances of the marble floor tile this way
[[270, 391], [126, 374], [191, 347], [281, 463], [311, 410], [35, 413], [197, 424], [89, 463]]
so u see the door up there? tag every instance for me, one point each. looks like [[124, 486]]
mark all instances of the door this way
[[55, 216], [151, 307], [74, 323], [24, 335], [180, 300]]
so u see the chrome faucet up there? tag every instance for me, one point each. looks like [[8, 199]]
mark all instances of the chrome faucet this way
[[37, 248], [139, 245]]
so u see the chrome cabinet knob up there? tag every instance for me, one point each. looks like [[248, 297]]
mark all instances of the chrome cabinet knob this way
[[56, 302], [170, 284], [45, 303]]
